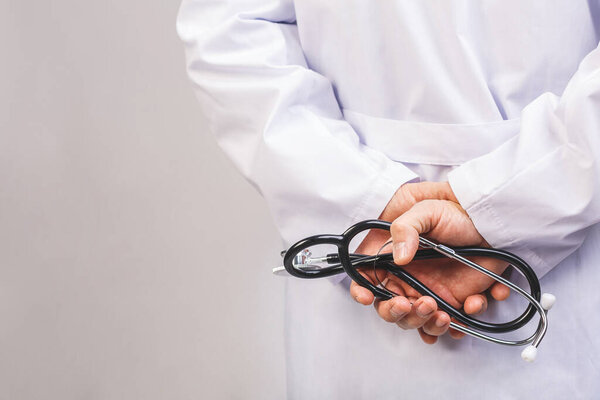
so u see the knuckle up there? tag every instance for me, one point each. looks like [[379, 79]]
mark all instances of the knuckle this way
[[410, 192], [396, 228]]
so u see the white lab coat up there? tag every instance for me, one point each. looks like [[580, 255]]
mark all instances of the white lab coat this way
[[328, 106]]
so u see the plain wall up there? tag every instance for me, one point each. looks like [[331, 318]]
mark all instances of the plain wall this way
[[134, 259]]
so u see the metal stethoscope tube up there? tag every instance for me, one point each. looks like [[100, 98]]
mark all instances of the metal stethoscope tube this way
[[528, 353]]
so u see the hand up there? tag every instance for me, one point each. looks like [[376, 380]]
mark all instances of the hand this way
[[443, 221]]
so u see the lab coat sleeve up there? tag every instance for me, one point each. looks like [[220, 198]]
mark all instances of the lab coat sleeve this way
[[278, 120], [539, 193]]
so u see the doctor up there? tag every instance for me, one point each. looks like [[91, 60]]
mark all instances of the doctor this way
[[329, 107]]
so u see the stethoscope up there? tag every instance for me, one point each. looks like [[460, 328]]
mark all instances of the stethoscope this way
[[298, 261]]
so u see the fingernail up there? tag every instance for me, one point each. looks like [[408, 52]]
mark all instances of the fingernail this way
[[397, 314], [400, 250], [440, 323], [424, 310]]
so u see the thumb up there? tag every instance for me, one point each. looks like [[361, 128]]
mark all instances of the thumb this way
[[405, 230]]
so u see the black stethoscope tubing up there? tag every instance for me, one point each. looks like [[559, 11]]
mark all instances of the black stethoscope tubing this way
[[349, 263]]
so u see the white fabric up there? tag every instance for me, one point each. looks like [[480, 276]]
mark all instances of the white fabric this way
[[329, 106], [547, 177]]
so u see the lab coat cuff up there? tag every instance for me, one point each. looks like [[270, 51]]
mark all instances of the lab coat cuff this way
[[483, 211], [378, 196]]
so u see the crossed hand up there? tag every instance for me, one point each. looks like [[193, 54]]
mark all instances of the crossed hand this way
[[429, 209]]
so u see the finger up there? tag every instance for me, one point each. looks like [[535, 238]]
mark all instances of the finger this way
[[475, 304], [406, 229], [361, 294], [394, 309], [422, 310], [373, 241], [438, 324], [454, 334], [499, 291], [395, 288], [429, 190], [412, 193], [429, 339]]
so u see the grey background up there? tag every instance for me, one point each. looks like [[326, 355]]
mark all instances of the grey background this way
[[134, 259]]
